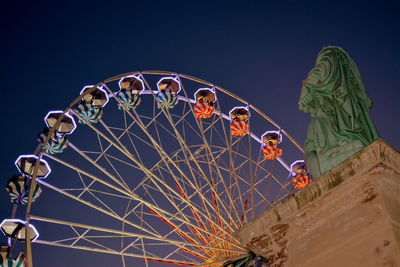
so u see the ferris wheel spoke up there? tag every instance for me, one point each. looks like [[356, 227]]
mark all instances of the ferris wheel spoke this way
[[120, 161], [113, 135], [123, 191], [211, 158], [267, 171], [98, 165], [124, 132], [116, 170], [198, 219], [139, 138], [126, 234], [190, 226], [194, 173], [250, 158], [237, 168], [126, 152], [192, 176], [127, 254], [169, 183], [111, 142], [134, 196], [222, 168], [263, 198], [193, 230], [145, 251], [91, 205], [252, 187], [86, 186], [228, 142], [163, 154], [107, 207], [190, 251], [256, 183], [79, 236], [144, 223], [121, 182], [215, 165], [185, 147]]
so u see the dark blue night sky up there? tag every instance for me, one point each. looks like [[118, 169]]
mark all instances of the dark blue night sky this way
[[259, 50]]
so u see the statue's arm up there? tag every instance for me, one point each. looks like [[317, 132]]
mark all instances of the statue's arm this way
[[306, 102]]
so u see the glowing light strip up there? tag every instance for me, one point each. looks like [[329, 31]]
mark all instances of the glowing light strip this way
[[36, 158], [203, 89], [137, 77], [99, 88], [291, 166], [60, 112], [165, 78], [277, 132], [239, 107], [223, 115], [18, 221]]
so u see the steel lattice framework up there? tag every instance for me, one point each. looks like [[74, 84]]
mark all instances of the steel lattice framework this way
[[159, 184]]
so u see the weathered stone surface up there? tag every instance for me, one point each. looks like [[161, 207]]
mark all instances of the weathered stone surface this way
[[350, 216]]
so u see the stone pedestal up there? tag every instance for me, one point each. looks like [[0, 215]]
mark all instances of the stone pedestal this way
[[350, 216]]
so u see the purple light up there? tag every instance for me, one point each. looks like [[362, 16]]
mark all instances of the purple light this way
[[165, 78], [36, 158], [19, 221], [98, 88], [205, 89], [277, 132], [136, 76], [60, 112], [239, 107], [294, 163]]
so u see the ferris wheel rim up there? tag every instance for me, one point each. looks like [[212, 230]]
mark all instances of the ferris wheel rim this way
[[145, 72], [199, 80]]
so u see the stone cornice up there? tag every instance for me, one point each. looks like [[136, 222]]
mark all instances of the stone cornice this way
[[377, 153]]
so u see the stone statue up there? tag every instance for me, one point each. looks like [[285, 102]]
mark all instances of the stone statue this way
[[334, 95]]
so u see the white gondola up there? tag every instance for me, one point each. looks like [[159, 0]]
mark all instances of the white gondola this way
[[26, 165], [16, 229], [129, 93], [270, 148], [301, 176], [239, 117], [97, 97], [168, 89], [6, 260], [204, 106], [67, 124]]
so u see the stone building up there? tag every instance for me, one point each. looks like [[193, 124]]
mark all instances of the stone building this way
[[350, 216]]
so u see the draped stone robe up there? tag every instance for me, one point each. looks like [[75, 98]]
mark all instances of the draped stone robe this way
[[334, 94]]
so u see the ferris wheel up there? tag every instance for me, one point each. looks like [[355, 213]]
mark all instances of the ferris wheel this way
[[149, 168]]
